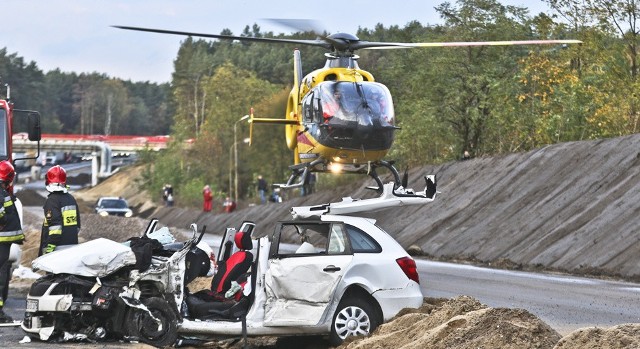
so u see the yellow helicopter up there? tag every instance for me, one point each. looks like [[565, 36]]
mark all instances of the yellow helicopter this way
[[338, 118]]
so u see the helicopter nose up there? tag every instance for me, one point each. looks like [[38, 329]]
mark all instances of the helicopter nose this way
[[363, 131], [365, 120]]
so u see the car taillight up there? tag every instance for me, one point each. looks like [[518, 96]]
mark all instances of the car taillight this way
[[408, 266]]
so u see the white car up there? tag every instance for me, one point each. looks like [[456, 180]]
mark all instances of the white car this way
[[343, 277], [114, 206], [324, 274]]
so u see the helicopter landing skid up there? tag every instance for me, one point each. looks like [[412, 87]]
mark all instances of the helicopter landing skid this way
[[373, 174], [300, 175]]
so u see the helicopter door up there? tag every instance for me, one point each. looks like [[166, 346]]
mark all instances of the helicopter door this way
[[303, 277], [311, 113], [307, 109]]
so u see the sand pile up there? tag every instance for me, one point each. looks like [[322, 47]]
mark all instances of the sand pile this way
[[462, 323]]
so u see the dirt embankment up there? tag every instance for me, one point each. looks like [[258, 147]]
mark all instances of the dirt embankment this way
[[573, 207]]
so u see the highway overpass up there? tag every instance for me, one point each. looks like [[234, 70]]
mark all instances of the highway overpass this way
[[100, 147]]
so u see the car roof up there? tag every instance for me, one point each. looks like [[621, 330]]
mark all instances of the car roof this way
[[346, 219], [115, 198]]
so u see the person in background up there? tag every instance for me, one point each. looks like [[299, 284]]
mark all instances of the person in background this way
[[61, 214], [207, 196], [262, 189], [164, 194], [167, 195], [228, 205], [10, 230], [275, 196], [308, 184]]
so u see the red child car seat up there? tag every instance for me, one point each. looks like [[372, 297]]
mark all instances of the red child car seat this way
[[212, 304]]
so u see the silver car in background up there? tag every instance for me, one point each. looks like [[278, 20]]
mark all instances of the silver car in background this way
[[114, 206]]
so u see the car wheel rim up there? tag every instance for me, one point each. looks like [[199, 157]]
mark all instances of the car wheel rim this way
[[352, 321], [150, 327]]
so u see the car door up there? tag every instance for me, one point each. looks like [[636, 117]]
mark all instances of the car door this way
[[306, 263]]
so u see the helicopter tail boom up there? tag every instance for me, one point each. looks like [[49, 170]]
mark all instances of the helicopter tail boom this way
[[253, 120]]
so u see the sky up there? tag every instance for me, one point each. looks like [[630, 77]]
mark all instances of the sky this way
[[76, 35]]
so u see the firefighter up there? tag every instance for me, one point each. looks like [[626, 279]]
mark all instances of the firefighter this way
[[10, 230], [61, 213]]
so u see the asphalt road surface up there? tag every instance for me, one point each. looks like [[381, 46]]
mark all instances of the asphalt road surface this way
[[564, 302]]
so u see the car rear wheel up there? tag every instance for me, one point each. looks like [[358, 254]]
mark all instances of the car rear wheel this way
[[354, 317]]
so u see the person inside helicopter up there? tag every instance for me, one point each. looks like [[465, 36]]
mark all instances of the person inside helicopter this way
[[331, 103], [350, 114], [367, 104], [380, 106]]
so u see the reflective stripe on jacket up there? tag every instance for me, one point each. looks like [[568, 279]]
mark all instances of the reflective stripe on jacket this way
[[10, 228]]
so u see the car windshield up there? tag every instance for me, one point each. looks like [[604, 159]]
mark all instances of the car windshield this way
[[113, 203]]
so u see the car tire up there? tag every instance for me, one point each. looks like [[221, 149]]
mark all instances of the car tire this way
[[146, 329], [353, 317]]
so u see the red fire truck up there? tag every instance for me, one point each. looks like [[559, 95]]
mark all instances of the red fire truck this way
[[29, 118], [31, 122]]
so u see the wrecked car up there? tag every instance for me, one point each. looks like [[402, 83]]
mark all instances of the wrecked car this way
[[321, 273]]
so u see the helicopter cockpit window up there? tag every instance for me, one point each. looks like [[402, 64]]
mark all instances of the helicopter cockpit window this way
[[350, 115], [366, 104], [307, 110]]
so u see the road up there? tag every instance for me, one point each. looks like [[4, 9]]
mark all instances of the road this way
[[72, 169], [564, 302]]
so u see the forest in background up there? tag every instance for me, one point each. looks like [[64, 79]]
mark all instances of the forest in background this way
[[485, 100], [94, 103]]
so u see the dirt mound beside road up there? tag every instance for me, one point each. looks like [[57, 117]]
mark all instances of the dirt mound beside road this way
[[30, 198], [125, 184], [461, 323]]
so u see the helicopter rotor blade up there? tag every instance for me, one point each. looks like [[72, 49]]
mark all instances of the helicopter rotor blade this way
[[317, 42], [489, 43], [343, 42], [372, 45]]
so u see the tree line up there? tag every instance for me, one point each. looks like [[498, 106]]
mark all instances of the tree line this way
[[84, 103], [483, 100]]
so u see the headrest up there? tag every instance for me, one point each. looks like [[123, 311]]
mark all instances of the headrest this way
[[243, 240]]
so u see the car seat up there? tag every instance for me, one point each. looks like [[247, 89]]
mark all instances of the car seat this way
[[235, 266], [212, 303]]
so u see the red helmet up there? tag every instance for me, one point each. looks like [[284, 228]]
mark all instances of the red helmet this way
[[7, 172], [56, 175]]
